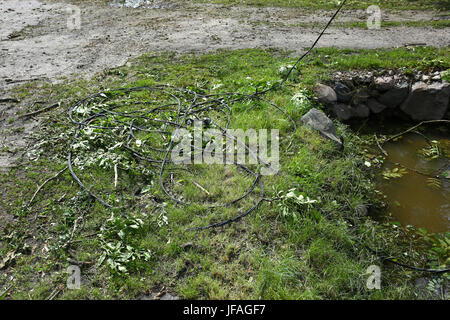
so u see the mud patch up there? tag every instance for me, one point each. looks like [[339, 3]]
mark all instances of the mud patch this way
[[147, 4], [41, 45]]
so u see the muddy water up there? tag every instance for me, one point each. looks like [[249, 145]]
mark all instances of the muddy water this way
[[411, 199]]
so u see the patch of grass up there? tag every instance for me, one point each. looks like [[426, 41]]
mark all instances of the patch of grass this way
[[287, 249], [333, 4], [437, 24]]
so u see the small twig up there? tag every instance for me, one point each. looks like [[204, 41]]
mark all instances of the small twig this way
[[85, 236], [3, 294], [23, 80], [379, 146], [45, 182], [417, 171], [271, 199], [75, 224], [200, 187], [415, 127], [62, 197], [39, 111], [9, 100], [54, 293], [414, 44], [79, 263], [428, 140], [115, 175]]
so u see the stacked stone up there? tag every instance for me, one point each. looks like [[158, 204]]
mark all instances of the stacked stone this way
[[423, 98]]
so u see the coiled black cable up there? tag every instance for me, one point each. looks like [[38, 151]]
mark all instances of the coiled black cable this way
[[193, 108]]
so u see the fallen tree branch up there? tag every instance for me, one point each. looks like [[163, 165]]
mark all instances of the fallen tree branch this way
[[24, 80], [3, 294], [417, 171], [201, 188], [79, 263], [9, 100], [415, 127], [75, 225], [45, 182], [39, 111], [379, 146]]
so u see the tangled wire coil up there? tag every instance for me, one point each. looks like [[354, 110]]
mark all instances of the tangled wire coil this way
[[186, 106], [196, 107], [179, 115]]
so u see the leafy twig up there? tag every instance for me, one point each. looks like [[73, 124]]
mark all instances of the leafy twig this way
[[45, 182], [30, 114]]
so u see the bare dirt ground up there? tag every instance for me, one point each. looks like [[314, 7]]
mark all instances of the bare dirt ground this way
[[35, 42], [41, 45]]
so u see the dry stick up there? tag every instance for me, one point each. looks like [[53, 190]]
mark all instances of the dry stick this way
[[86, 236], [115, 175], [415, 127], [79, 263], [379, 146], [54, 293], [75, 225], [39, 111], [5, 292], [428, 140], [414, 44], [417, 171], [200, 187], [23, 80], [45, 182], [9, 100]]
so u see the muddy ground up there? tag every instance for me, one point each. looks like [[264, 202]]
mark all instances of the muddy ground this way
[[36, 42], [41, 45]]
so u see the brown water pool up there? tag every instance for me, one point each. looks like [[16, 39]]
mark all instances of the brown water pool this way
[[415, 199]]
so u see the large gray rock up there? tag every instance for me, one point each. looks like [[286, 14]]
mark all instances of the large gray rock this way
[[317, 120], [375, 106], [395, 96], [361, 111], [342, 111], [383, 83], [361, 96], [325, 94], [427, 102], [343, 92]]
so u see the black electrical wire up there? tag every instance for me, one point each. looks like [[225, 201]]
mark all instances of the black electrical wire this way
[[198, 104], [216, 98], [194, 106], [211, 101]]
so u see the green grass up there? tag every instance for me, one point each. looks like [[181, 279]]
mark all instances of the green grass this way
[[284, 250], [436, 24], [351, 4]]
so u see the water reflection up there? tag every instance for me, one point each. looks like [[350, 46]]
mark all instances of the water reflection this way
[[414, 199]]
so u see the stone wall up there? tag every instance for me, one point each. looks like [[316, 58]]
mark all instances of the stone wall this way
[[360, 95]]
